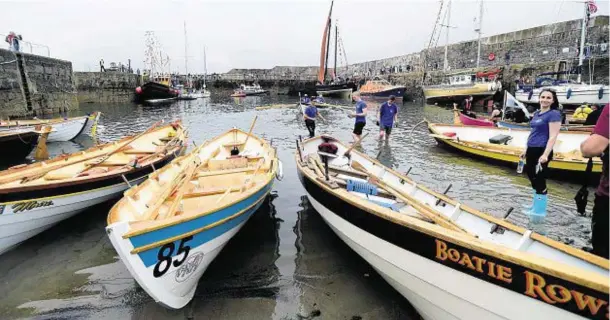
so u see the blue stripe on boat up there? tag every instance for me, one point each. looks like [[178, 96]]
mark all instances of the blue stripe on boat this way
[[188, 226], [149, 257]]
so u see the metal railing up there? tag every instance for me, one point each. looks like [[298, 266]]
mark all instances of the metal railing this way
[[25, 45]]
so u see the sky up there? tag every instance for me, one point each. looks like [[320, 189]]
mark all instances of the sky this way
[[258, 34]]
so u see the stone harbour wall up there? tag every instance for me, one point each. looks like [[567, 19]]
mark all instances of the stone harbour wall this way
[[105, 87], [50, 84], [12, 98], [34, 85]]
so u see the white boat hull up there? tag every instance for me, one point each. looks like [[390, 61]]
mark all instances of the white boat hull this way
[[62, 131], [436, 291], [341, 93], [176, 287], [18, 224], [579, 95]]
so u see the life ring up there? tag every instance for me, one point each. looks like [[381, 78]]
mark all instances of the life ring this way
[[491, 57], [569, 93], [600, 93]]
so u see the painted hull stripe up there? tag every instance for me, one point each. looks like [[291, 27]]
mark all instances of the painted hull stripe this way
[[150, 258]]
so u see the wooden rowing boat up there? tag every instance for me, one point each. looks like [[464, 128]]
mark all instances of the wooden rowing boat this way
[[63, 129], [35, 197], [466, 120], [449, 260], [475, 140], [170, 228]]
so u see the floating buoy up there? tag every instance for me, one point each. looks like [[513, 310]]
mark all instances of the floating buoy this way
[[600, 93], [569, 94], [491, 57]]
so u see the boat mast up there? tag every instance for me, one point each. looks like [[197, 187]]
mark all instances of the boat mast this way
[[205, 68], [479, 30], [336, 37], [327, 46], [583, 34], [446, 64], [186, 67], [324, 47]]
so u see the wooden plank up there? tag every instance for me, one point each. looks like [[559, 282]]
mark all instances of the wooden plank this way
[[348, 172], [233, 163], [210, 173]]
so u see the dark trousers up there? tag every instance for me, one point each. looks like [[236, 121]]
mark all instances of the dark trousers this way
[[538, 180], [599, 226], [311, 126]]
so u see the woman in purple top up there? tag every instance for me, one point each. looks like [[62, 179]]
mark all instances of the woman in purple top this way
[[545, 124]]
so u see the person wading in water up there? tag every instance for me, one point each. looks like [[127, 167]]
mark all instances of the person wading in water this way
[[545, 129], [310, 114], [360, 116]]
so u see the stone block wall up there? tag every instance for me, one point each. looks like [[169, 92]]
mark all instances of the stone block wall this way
[[50, 84], [12, 98], [105, 87]]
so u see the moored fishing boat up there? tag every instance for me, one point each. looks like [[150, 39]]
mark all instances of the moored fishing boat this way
[[569, 94], [449, 260], [157, 89], [63, 129], [17, 144], [475, 140], [381, 89], [459, 86], [35, 197], [169, 229]]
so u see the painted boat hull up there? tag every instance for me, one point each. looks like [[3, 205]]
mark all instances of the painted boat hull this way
[[343, 91], [65, 130], [511, 125], [458, 91], [17, 147], [445, 295], [468, 121], [432, 266], [580, 94], [397, 92], [155, 91], [18, 223], [176, 287], [519, 140]]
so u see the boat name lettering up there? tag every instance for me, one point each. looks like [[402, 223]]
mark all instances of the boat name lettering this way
[[537, 287], [27, 206], [165, 254], [189, 267], [493, 270]]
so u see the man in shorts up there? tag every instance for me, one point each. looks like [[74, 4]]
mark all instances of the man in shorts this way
[[386, 116], [360, 116]]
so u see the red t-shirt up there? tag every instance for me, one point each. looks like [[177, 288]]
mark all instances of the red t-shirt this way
[[601, 128]]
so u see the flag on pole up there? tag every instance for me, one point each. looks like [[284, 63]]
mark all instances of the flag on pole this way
[[591, 6], [511, 102]]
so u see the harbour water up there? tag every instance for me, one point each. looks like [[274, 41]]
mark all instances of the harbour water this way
[[285, 263]]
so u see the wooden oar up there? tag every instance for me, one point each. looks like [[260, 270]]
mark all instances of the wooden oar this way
[[274, 106], [108, 155], [250, 131], [355, 144], [37, 174], [429, 213]]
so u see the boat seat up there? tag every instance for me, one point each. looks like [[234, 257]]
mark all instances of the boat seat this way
[[135, 151], [231, 163], [228, 171], [233, 144]]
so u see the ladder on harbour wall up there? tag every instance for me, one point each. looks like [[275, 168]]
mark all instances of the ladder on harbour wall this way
[[24, 82]]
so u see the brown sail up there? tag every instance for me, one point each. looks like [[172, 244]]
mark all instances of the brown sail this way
[[321, 70]]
